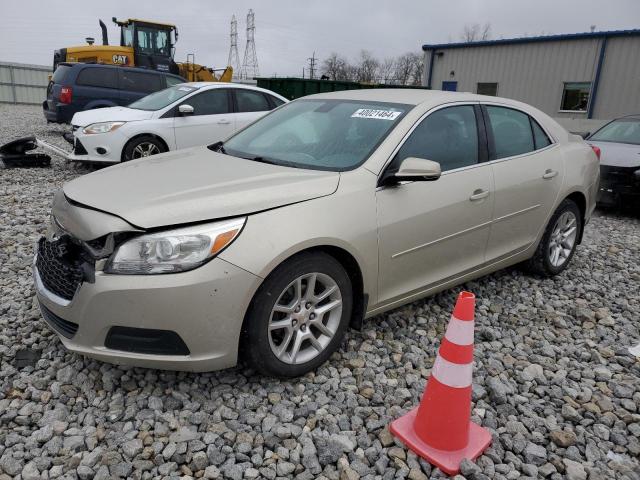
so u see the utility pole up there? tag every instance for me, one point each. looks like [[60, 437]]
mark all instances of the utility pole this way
[[312, 65]]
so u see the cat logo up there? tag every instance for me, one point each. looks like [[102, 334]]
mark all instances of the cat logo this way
[[119, 59]]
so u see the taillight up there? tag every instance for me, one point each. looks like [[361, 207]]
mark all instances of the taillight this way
[[66, 94], [596, 150]]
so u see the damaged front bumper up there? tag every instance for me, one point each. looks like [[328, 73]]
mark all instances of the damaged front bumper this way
[[17, 153]]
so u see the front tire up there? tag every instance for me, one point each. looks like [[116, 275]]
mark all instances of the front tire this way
[[559, 242], [140, 147], [298, 316]]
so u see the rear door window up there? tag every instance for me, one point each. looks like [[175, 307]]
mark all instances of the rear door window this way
[[540, 138], [59, 74], [98, 77], [512, 133], [140, 81], [275, 100], [210, 102], [251, 101]]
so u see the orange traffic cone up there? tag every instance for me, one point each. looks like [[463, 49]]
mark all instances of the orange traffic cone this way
[[439, 429]]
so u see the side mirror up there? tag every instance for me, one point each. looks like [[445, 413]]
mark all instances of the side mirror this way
[[584, 135], [185, 109], [417, 169]]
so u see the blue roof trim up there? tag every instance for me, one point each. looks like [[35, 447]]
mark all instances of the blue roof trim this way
[[543, 38]]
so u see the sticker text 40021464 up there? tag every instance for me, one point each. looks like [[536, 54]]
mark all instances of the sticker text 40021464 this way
[[376, 114]]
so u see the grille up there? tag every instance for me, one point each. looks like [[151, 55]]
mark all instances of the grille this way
[[59, 267], [63, 327], [78, 148]]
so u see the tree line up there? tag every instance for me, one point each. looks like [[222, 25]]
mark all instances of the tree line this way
[[406, 69]]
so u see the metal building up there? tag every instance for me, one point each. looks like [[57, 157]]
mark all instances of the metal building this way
[[575, 78], [23, 83]]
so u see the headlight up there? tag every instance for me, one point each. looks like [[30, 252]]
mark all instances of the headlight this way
[[173, 250], [102, 127]]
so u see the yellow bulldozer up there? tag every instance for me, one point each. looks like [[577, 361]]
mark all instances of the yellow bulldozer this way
[[143, 44]]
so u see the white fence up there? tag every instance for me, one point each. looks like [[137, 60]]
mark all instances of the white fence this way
[[23, 83]]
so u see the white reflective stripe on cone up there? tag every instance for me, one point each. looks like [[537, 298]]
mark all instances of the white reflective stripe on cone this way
[[460, 332], [452, 374]]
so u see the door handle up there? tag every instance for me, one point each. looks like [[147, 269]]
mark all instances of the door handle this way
[[224, 121], [549, 174], [479, 194]]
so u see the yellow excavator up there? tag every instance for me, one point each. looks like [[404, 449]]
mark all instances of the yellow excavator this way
[[143, 44]]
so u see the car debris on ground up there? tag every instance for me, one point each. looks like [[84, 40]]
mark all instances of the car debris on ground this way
[[16, 154]]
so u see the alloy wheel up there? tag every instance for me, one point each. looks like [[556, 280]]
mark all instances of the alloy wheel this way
[[305, 318], [563, 239], [145, 149]]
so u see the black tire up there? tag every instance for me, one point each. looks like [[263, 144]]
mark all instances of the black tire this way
[[540, 263], [255, 345], [128, 153]]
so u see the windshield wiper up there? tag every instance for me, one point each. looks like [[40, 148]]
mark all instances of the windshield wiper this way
[[217, 147]]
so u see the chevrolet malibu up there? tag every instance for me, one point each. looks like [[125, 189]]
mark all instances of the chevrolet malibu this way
[[331, 209]]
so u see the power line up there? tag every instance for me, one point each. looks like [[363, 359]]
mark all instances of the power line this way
[[250, 62]]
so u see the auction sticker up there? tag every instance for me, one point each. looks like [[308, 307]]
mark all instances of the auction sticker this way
[[377, 114]]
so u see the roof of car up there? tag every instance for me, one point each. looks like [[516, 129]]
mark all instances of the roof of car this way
[[80, 65], [411, 96], [218, 84]]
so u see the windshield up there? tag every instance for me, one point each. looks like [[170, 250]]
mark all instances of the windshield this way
[[153, 41], [624, 130], [163, 98], [318, 134]]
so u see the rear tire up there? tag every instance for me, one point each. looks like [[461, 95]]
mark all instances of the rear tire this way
[[290, 329], [140, 147], [559, 241]]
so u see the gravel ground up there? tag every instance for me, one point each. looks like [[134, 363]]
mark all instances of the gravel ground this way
[[554, 381]]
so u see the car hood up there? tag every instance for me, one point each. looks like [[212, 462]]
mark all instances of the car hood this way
[[110, 114], [618, 154], [195, 185]]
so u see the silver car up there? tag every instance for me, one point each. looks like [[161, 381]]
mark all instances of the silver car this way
[[330, 209]]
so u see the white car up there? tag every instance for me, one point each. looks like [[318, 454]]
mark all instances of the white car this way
[[182, 116]]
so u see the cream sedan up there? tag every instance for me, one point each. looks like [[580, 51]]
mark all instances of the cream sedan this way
[[330, 209]]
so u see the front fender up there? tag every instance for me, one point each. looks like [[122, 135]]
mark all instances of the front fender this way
[[344, 220]]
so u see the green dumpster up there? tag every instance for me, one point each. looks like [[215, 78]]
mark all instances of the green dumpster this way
[[292, 88]]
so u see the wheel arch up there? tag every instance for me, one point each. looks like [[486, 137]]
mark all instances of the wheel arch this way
[[352, 268], [145, 134]]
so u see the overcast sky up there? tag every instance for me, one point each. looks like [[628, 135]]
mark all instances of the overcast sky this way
[[289, 31]]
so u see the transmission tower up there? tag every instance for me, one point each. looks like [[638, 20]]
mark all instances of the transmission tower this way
[[312, 66], [250, 62], [234, 59]]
